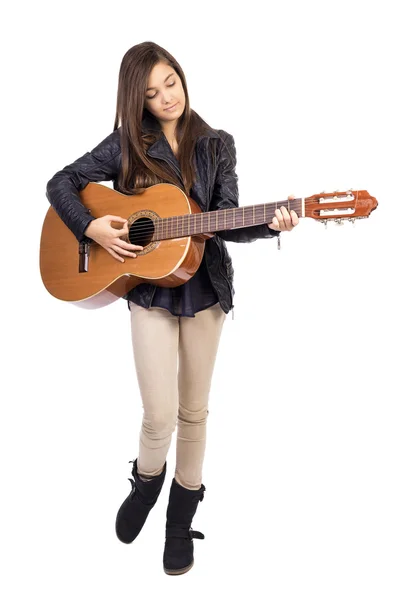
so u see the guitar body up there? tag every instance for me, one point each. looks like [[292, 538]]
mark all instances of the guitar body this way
[[166, 263]]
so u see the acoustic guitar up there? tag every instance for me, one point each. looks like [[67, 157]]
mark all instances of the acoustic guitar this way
[[172, 229]]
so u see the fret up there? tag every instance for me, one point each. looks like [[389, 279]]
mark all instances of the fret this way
[[190, 224]]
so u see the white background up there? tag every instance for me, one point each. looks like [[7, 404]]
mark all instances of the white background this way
[[302, 459]]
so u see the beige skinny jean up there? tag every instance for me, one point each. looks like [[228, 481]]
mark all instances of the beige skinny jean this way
[[174, 360]]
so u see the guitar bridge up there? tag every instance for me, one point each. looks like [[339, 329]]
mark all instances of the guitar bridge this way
[[84, 251]]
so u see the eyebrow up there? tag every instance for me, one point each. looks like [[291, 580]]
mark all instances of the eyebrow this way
[[168, 76]]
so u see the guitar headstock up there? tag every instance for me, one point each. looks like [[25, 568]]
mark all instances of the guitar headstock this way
[[349, 205]]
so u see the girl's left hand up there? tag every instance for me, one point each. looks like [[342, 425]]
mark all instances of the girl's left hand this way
[[283, 221]]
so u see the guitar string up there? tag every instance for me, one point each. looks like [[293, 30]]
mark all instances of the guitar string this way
[[149, 226]]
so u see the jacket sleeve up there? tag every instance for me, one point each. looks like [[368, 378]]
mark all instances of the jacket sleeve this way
[[62, 190], [226, 195]]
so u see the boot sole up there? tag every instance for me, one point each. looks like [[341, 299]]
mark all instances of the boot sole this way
[[179, 571]]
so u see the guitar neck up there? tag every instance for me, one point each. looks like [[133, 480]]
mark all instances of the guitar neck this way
[[222, 220]]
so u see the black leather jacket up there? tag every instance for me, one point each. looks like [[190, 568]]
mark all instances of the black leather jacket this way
[[215, 187]]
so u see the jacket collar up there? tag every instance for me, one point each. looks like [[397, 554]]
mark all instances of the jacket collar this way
[[161, 148]]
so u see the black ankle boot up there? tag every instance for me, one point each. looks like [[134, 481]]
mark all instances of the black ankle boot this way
[[178, 550], [134, 510]]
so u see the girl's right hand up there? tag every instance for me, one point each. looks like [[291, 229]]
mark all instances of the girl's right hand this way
[[101, 231]]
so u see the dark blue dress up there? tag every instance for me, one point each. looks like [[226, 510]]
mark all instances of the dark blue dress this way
[[187, 299]]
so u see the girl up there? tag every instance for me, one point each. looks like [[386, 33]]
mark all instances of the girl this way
[[158, 138]]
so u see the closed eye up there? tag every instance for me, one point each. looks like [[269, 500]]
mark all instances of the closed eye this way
[[151, 97]]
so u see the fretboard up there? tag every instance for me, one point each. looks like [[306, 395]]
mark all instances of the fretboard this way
[[222, 220]]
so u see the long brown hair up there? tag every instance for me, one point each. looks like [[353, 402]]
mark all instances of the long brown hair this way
[[139, 171]]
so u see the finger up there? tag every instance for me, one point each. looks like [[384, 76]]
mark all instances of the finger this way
[[273, 224], [115, 218], [115, 255], [126, 245], [280, 219], [295, 218], [292, 197], [118, 232], [286, 217], [120, 250]]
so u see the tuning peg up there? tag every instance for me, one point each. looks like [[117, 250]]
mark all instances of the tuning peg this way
[[352, 220], [325, 222], [338, 221]]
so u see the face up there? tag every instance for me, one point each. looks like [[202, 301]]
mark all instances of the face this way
[[164, 90]]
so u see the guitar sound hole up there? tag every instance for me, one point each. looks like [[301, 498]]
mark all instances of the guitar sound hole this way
[[141, 232]]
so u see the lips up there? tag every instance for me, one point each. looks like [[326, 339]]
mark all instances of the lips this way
[[171, 107]]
